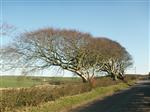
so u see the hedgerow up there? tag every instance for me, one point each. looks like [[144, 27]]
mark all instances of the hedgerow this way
[[33, 96]]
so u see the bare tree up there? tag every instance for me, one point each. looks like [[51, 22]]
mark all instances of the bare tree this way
[[6, 29], [48, 47], [70, 50], [117, 59]]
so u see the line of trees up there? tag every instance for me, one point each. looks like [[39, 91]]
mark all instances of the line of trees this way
[[78, 52]]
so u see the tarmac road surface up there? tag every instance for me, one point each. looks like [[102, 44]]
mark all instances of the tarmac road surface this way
[[135, 99]]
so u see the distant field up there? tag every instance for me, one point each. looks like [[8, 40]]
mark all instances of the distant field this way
[[13, 81], [28, 81], [22, 81]]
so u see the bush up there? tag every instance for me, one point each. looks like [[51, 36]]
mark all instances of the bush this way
[[13, 98], [35, 95], [105, 81]]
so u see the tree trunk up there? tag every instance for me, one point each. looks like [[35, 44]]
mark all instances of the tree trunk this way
[[92, 82], [84, 80], [121, 76], [114, 76]]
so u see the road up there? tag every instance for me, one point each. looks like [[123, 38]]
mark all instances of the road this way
[[135, 99]]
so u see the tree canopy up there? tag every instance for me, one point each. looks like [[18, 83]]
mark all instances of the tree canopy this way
[[71, 50]]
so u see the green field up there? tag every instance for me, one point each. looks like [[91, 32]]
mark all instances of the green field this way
[[13, 81], [26, 81]]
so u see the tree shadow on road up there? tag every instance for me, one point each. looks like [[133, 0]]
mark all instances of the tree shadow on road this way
[[135, 99]]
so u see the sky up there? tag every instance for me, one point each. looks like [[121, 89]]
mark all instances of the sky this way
[[125, 21]]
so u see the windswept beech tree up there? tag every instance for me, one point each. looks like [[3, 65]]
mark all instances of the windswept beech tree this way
[[116, 58], [45, 48], [70, 50], [6, 29]]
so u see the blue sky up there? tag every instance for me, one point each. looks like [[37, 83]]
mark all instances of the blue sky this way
[[126, 21]]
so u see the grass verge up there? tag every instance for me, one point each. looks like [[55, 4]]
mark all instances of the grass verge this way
[[65, 103]]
